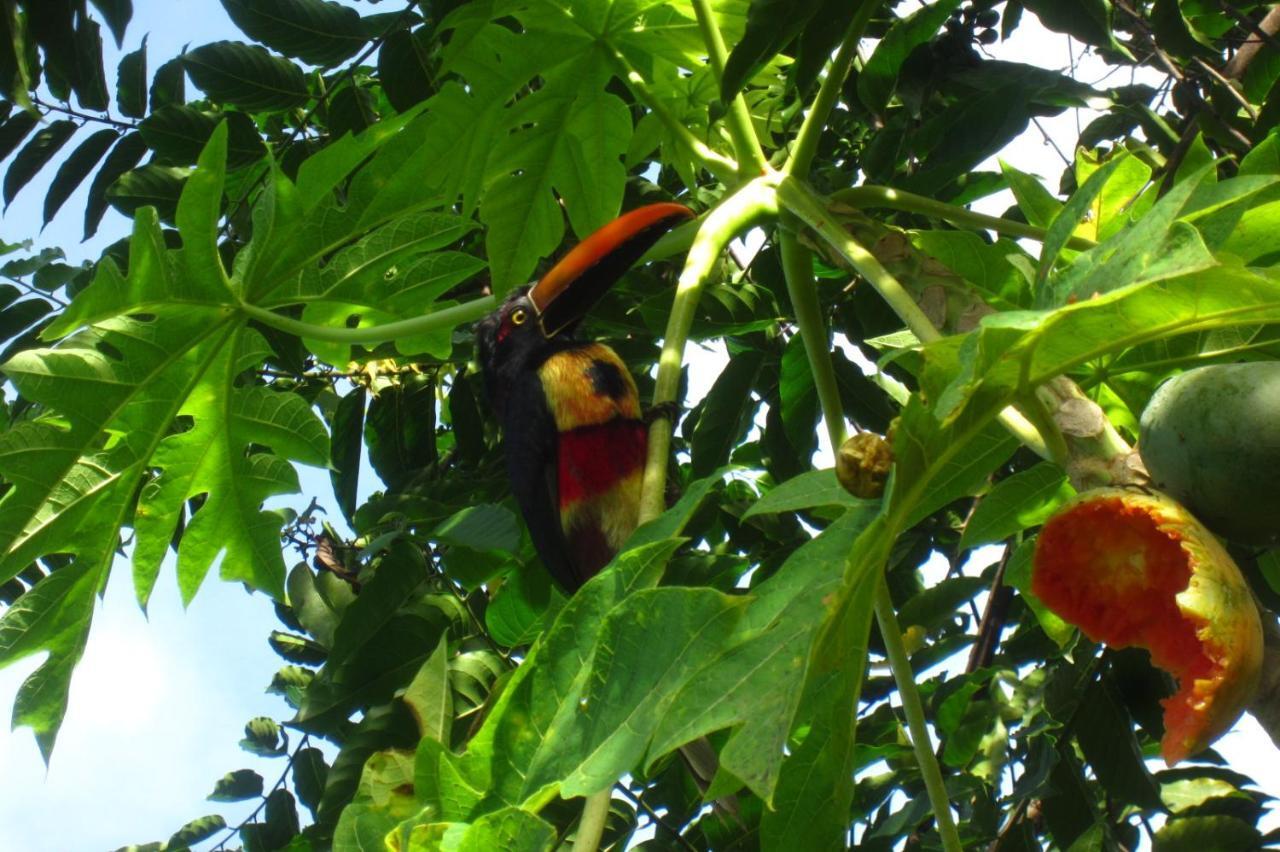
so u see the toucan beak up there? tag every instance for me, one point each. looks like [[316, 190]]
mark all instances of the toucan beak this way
[[565, 294]]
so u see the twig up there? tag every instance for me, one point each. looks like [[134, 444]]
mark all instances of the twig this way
[[232, 832], [1050, 140], [1231, 90], [1169, 65], [953, 564], [1180, 151], [640, 803], [1265, 31], [993, 617], [1015, 819], [35, 99], [32, 290], [334, 374]]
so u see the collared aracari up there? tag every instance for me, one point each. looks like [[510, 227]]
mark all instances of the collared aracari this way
[[573, 434]]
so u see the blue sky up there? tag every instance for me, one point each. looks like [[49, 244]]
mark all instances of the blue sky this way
[[159, 702]]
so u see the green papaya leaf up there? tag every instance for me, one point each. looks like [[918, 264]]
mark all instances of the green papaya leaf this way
[[648, 648], [1023, 500], [428, 695], [816, 488], [878, 77], [539, 689], [771, 647]]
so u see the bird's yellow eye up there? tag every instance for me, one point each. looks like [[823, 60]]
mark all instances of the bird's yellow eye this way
[[518, 316]]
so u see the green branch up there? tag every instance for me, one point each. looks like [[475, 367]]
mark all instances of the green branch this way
[[800, 200], [913, 709], [897, 199], [815, 121], [754, 201], [444, 318], [595, 813], [1041, 419], [751, 159], [725, 169], [804, 203], [797, 266]]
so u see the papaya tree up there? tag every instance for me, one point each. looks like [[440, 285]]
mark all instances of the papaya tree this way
[[323, 209]]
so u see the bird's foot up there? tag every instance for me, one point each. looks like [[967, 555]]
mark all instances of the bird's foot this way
[[669, 411]]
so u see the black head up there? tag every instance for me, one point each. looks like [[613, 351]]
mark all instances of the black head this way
[[509, 341], [534, 321]]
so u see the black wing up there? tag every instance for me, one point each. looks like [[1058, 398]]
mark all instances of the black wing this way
[[529, 437]]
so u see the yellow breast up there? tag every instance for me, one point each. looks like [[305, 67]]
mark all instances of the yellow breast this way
[[587, 386]]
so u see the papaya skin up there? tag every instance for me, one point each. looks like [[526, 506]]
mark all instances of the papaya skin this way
[[1210, 437], [1135, 569]]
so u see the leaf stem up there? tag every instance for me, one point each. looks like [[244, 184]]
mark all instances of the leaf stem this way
[[733, 215], [815, 121], [797, 197], [804, 203], [595, 813], [897, 199], [1033, 408], [913, 709], [84, 116], [724, 168], [797, 267], [751, 158], [449, 317]]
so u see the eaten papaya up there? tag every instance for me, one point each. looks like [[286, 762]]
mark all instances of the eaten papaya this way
[[1132, 569], [1210, 437]]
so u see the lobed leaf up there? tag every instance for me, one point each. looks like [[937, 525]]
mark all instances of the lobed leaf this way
[[816, 488], [754, 684]]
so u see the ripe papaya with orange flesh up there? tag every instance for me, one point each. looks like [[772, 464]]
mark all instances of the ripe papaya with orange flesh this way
[[1134, 569], [1210, 438]]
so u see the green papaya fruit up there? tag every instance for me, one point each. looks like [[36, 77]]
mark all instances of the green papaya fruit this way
[[1210, 437]]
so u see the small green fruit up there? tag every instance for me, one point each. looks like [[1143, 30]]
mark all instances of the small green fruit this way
[[863, 463], [1211, 438]]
